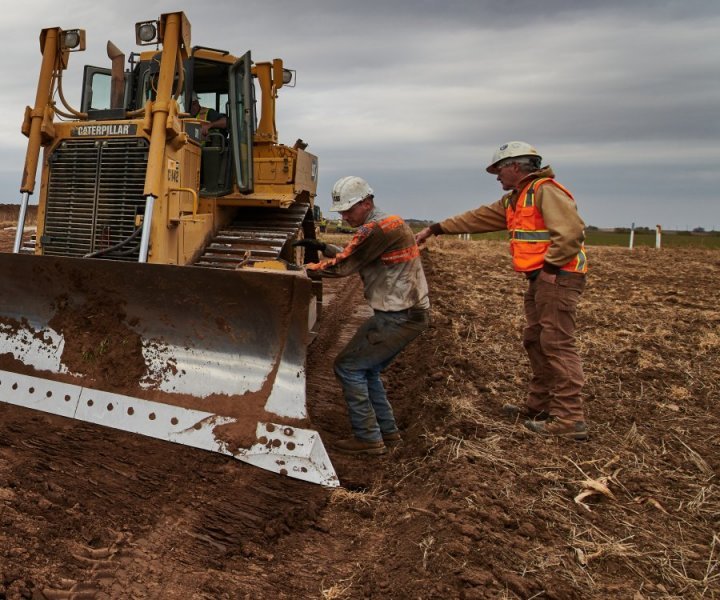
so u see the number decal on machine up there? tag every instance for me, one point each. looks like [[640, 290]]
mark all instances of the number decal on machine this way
[[173, 171]]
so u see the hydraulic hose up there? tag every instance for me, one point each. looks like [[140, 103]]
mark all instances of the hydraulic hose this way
[[117, 246]]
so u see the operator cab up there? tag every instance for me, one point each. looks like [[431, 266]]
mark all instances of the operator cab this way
[[222, 83], [209, 80]]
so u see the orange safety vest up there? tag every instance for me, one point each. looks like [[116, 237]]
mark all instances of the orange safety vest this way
[[529, 236]]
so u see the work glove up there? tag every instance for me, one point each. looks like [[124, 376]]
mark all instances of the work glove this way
[[310, 244]]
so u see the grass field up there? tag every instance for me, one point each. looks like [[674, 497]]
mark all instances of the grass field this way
[[9, 215], [681, 239], [675, 239]]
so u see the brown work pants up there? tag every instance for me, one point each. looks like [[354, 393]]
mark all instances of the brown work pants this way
[[549, 339]]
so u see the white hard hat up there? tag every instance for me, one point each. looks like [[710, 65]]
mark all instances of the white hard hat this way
[[348, 191], [511, 150]]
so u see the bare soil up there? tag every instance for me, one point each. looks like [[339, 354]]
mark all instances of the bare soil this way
[[469, 506]]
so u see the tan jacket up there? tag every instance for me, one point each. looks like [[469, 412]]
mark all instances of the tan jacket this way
[[567, 229], [384, 252]]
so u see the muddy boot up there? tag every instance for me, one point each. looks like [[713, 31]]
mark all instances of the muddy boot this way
[[354, 445], [514, 411], [574, 430], [392, 439]]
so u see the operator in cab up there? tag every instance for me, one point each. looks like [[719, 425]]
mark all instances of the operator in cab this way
[[213, 118]]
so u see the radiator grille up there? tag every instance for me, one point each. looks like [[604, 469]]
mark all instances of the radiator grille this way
[[95, 191]]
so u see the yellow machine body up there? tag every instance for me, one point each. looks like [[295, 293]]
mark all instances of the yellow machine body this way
[[167, 248]]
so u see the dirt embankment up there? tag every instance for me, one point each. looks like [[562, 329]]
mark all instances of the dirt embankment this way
[[470, 506]]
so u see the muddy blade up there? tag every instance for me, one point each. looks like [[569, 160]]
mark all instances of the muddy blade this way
[[175, 350]]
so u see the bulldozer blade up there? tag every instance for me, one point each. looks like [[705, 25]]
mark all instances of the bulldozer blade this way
[[207, 358], [283, 449]]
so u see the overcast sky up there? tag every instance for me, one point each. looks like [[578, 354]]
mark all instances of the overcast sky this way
[[621, 97]]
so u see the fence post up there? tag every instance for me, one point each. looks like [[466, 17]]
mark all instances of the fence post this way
[[632, 236], [658, 236]]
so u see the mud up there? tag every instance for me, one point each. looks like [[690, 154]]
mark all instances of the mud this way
[[469, 506], [100, 344]]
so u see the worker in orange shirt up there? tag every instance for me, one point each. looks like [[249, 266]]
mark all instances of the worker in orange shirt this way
[[383, 251]]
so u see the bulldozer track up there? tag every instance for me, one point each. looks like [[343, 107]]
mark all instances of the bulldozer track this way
[[257, 234]]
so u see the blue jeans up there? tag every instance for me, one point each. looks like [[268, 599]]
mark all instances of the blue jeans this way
[[358, 366]]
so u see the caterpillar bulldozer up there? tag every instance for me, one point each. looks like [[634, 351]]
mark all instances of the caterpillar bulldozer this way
[[162, 293]]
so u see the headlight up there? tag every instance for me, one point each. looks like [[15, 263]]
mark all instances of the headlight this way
[[146, 32], [72, 39]]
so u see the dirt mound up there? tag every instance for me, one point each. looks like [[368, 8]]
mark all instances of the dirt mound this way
[[98, 340], [469, 506]]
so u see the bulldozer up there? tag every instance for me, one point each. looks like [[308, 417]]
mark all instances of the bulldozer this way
[[161, 293]]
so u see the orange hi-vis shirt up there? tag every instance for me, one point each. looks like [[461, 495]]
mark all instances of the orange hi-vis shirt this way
[[529, 236], [384, 252]]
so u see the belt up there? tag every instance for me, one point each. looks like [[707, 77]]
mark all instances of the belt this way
[[413, 310], [532, 275]]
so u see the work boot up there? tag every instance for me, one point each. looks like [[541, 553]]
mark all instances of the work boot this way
[[355, 445], [392, 439], [574, 430], [513, 411]]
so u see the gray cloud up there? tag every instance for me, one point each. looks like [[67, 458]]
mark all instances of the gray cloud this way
[[621, 97]]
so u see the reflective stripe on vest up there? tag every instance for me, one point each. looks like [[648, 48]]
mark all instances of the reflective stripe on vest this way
[[529, 236], [390, 223], [395, 257], [203, 114]]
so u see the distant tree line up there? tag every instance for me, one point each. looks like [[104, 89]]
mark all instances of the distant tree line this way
[[643, 229]]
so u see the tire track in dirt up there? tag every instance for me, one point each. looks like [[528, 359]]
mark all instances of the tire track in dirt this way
[[117, 511]]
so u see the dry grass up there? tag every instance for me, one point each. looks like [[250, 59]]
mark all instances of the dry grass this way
[[337, 591], [9, 215], [351, 498]]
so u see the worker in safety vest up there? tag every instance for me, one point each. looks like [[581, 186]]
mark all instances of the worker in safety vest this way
[[213, 119], [384, 252], [547, 245]]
